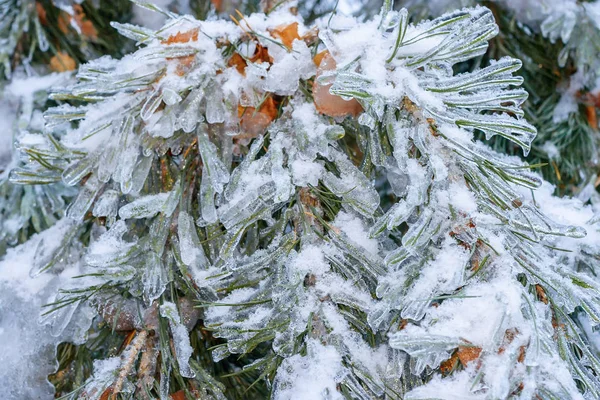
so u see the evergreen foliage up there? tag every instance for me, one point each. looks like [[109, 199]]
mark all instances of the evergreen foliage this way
[[268, 207], [558, 43], [62, 33]]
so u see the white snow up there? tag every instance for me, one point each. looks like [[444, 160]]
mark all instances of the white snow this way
[[305, 172], [314, 376], [25, 88], [27, 349], [7, 115], [455, 387], [462, 198], [568, 103], [181, 339], [288, 68], [356, 231], [550, 148], [309, 260]]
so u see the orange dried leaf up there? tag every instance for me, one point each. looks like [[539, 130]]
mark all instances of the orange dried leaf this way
[[107, 394], [243, 110], [327, 103], [62, 62], [262, 55], [311, 37], [218, 4], [238, 62], [522, 352], [541, 293], [253, 122], [592, 117], [184, 65], [183, 37], [450, 364], [269, 108], [286, 33], [41, 13], [128, 338], [87, 27], [179, 395], [467, 354], [319, 57], [64, 20]]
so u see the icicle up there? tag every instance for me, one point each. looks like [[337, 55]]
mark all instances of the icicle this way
[[144, 207], [181, 339], [75, 172], [154, 277], [190, 247], [80, 206]]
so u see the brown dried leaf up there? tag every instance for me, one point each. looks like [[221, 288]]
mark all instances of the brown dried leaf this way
[[147, 366], [450, 364], [184, 65], [592, 116], [522, 352], [107, 394], [467, 354], [62, 62], [218, 4], [183, 37], [403, 323], [125, 317], [253, 122], [541, 293], [87, 27], [327, 103], [41, 13], [238, 62], [179, 395], [64, 20], [189, 313], [319, 57], [261, 55], [286, 33], [311, 37]]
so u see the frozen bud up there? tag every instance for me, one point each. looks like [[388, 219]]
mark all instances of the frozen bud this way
[[327, 103]]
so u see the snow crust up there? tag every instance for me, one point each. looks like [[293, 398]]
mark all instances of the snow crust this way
[[27, 343]]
